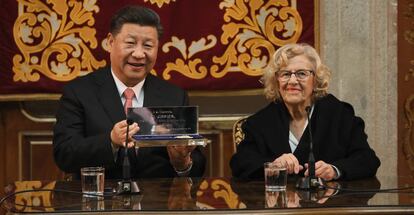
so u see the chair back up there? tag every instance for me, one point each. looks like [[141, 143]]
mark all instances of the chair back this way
[[238, 134]]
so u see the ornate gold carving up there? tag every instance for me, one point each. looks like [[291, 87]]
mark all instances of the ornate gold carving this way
[[41, 199], [159, 2], [221, 189], [408, 141], [55, 40], [238, 134], [409, 14], [253, 30], [410, 11], [410, 71], [409, 36]]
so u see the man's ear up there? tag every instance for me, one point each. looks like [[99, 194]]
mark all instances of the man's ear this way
[[110, 41]]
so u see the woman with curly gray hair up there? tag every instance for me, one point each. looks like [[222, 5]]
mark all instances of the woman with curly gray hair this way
[[296, 83]]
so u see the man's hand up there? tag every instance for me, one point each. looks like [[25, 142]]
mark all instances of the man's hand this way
[[118, 133], [180, 156]]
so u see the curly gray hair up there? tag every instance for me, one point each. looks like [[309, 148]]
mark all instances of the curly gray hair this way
[[280, 59]]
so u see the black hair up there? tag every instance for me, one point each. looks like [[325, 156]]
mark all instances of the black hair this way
[[135, 15]]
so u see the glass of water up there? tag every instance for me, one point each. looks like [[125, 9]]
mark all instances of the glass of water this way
[[275, 176], [93, 179]]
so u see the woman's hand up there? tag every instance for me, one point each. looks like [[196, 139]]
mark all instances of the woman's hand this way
[[290, 161], [323, 170]]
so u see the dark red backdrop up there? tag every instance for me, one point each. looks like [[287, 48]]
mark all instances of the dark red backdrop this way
[[44, 44]]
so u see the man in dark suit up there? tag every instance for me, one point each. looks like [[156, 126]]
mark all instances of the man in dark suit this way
[[91, 120]]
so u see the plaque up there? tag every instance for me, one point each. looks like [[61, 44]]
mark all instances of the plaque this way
[[167, 125]]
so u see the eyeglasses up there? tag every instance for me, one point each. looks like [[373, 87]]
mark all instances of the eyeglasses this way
[[301, 74]]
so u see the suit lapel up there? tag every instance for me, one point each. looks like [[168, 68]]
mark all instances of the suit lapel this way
[[152, 92], [109, 97]]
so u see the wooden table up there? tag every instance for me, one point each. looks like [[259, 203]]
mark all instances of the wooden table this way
[[208, 196]]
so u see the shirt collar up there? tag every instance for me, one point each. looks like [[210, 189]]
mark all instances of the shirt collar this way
[[122, 87]]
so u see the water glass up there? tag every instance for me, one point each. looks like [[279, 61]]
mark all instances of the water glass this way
[[275, 176], [93, 179]]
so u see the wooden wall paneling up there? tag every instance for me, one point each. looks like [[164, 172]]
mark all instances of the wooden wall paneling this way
[[2, 153], [43, 167], [12, 122], [228, 151], [222, 145], [209, 150], [17, 124], [405, 93], [38, 162]]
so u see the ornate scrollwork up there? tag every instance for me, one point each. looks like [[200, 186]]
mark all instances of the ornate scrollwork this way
[[159, 2], [55, 40], [410, 10], [238, 134], [408, 147], [188, 69], [253, 30], [410, 71], [221, 189], [409, 36], [40, 199], [408, 137]]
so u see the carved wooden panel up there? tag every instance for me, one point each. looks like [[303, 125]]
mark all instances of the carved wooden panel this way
[[405, 93], [15, 148], [218, 153], [37, 161]]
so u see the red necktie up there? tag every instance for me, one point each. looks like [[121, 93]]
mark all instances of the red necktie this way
[[129, 95]]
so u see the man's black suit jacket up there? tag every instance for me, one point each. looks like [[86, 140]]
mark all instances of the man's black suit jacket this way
[[89, 108], [338, 139]]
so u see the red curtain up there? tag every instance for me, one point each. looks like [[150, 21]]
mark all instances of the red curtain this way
[[207, 45]]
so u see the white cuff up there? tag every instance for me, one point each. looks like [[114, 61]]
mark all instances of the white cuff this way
[[338, 173], [184, 172]]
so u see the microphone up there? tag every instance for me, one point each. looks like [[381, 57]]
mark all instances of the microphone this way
[[127, 186], [129, 122], [126, 166], [310, 182]]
